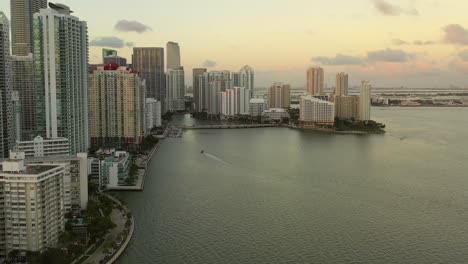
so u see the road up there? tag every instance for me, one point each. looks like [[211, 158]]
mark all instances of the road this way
[[99, 254]]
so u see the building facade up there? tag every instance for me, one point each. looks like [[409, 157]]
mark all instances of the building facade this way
[[121, 61], [257, 106], [116, 107], [247, 79], [279, 96], [275, 114], [235, 101], [347, 107], [75, 179], [6, 108], [108, 53], [22, 16], [314, 111], [315, 81], [149, 62], [22, 75], [173, 55], [342, 85], [16, 118], [176, 89], [33, 215], [153, 113], [40, 147], [61, 81], [197, 92], [115, 169], [365, 101]]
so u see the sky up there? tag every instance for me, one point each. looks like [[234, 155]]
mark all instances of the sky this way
[[392, 43]]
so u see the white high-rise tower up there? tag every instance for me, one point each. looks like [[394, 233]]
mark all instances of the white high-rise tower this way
[[365, 101], [61, 79], [247, 79]]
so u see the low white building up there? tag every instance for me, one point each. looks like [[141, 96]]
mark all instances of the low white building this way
[[40, 147], [32, 213], [314, 111], [275, 114], [257, 106], [153, 113], [112, 169]]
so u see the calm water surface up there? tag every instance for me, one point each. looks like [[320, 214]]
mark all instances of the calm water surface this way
[[286, 196]]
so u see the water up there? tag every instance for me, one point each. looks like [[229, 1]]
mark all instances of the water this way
[[286, 196]]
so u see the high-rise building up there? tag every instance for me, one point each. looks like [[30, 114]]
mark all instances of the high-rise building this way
[[173, 55], [236, 79], [16, 117], [235, 101], [257, 106], [149, 62], [315, 81], [61, 76], [215, 83], [347, 107], [22, 14], [341, 84], [153, 113], [365, 101], [279, 96], [176, 89], [108, 53], [121, 61], [197, 92], [22, 75], [6, 108], [34, 193], [75, 179], [116, 107], [247, 79], [314, 111]]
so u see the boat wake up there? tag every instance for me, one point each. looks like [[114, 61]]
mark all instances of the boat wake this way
[[215, 158]]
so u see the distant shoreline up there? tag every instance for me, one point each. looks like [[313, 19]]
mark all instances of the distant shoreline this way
[[334, 131]]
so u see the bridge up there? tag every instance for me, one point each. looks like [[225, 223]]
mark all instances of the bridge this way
[[226, 126]]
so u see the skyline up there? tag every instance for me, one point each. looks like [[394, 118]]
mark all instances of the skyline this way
[[410, 43]]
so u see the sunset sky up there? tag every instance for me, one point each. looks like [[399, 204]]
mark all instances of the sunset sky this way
[[415, 43]]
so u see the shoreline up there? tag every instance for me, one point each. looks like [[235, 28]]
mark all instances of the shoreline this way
[[422, 106], [334, 131], [124, 245]]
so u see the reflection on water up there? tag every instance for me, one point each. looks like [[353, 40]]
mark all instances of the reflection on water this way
[[304, 197]]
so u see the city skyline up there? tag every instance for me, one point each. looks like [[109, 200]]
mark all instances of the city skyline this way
[[398, 43]]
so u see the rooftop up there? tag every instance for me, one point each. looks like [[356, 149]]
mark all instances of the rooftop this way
[[31, 169]]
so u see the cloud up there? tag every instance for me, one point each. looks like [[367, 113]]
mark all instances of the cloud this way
[[131, 26], [388, 9], [455, 34], [209, 64], [110, 42], [463, 55], [423, 43], [339, 59], [389, 55], [399, 42], [130, 44]]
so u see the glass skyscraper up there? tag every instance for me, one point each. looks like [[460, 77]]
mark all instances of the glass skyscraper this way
[[61, 81]]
